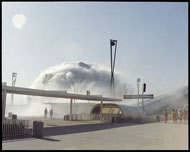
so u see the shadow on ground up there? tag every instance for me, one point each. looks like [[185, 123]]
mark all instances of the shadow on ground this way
[[64, 130], [73, 129], [27, 137]]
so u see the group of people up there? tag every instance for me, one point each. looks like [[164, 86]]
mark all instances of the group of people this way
[[177, 115], [50, 113]]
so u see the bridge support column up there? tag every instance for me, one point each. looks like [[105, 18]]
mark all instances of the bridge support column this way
[[101, 114], [71, 115]]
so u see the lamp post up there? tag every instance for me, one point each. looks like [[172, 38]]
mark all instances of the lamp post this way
[[143, 90], [138, 83], [112, 44], [14, 76]]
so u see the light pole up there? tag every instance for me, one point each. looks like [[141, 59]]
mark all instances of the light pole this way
[[112, 44], [138, 83], [14, 75], [143, 90]]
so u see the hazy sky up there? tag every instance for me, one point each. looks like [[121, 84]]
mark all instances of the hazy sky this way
[[152, 39]]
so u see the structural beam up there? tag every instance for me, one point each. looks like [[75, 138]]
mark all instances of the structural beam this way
[[55, 94], [144, 96]]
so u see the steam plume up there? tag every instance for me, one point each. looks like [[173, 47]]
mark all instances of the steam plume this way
[[75, 78]]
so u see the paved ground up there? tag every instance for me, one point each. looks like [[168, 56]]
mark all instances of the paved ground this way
[[84, 135]]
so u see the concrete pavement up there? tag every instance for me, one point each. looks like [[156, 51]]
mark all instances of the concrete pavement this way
[[84, 135]]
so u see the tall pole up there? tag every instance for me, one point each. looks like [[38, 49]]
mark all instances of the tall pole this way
[[111, 67], [114, 66], [101, 111], [138, 82], [143, 90], [14, 75], [71, 115], [112, 43], [142, 105]]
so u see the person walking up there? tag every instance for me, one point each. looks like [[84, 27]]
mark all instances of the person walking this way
[[180, 116], [166, 115], [185, 115], [173, 115], [51, 113], [177, 115], [45, 113]]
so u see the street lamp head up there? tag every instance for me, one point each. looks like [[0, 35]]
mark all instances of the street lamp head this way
[[14, 74]]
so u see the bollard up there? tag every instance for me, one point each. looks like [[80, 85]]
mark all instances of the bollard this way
[[38, 129], [14, 117], [66, 117], [158, 118]]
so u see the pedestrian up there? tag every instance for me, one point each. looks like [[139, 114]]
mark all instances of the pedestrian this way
[[177, 116], [166, 115], [51, 113], [45, 112], [180, 116], [173, 115], [185, 115]]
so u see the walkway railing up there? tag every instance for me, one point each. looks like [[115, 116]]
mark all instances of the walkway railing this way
[[14, 127], [83, 117]]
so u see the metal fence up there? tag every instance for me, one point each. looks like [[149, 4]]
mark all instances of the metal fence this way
[[14, 127], [116, 118], [83, 117], [105, 117]]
